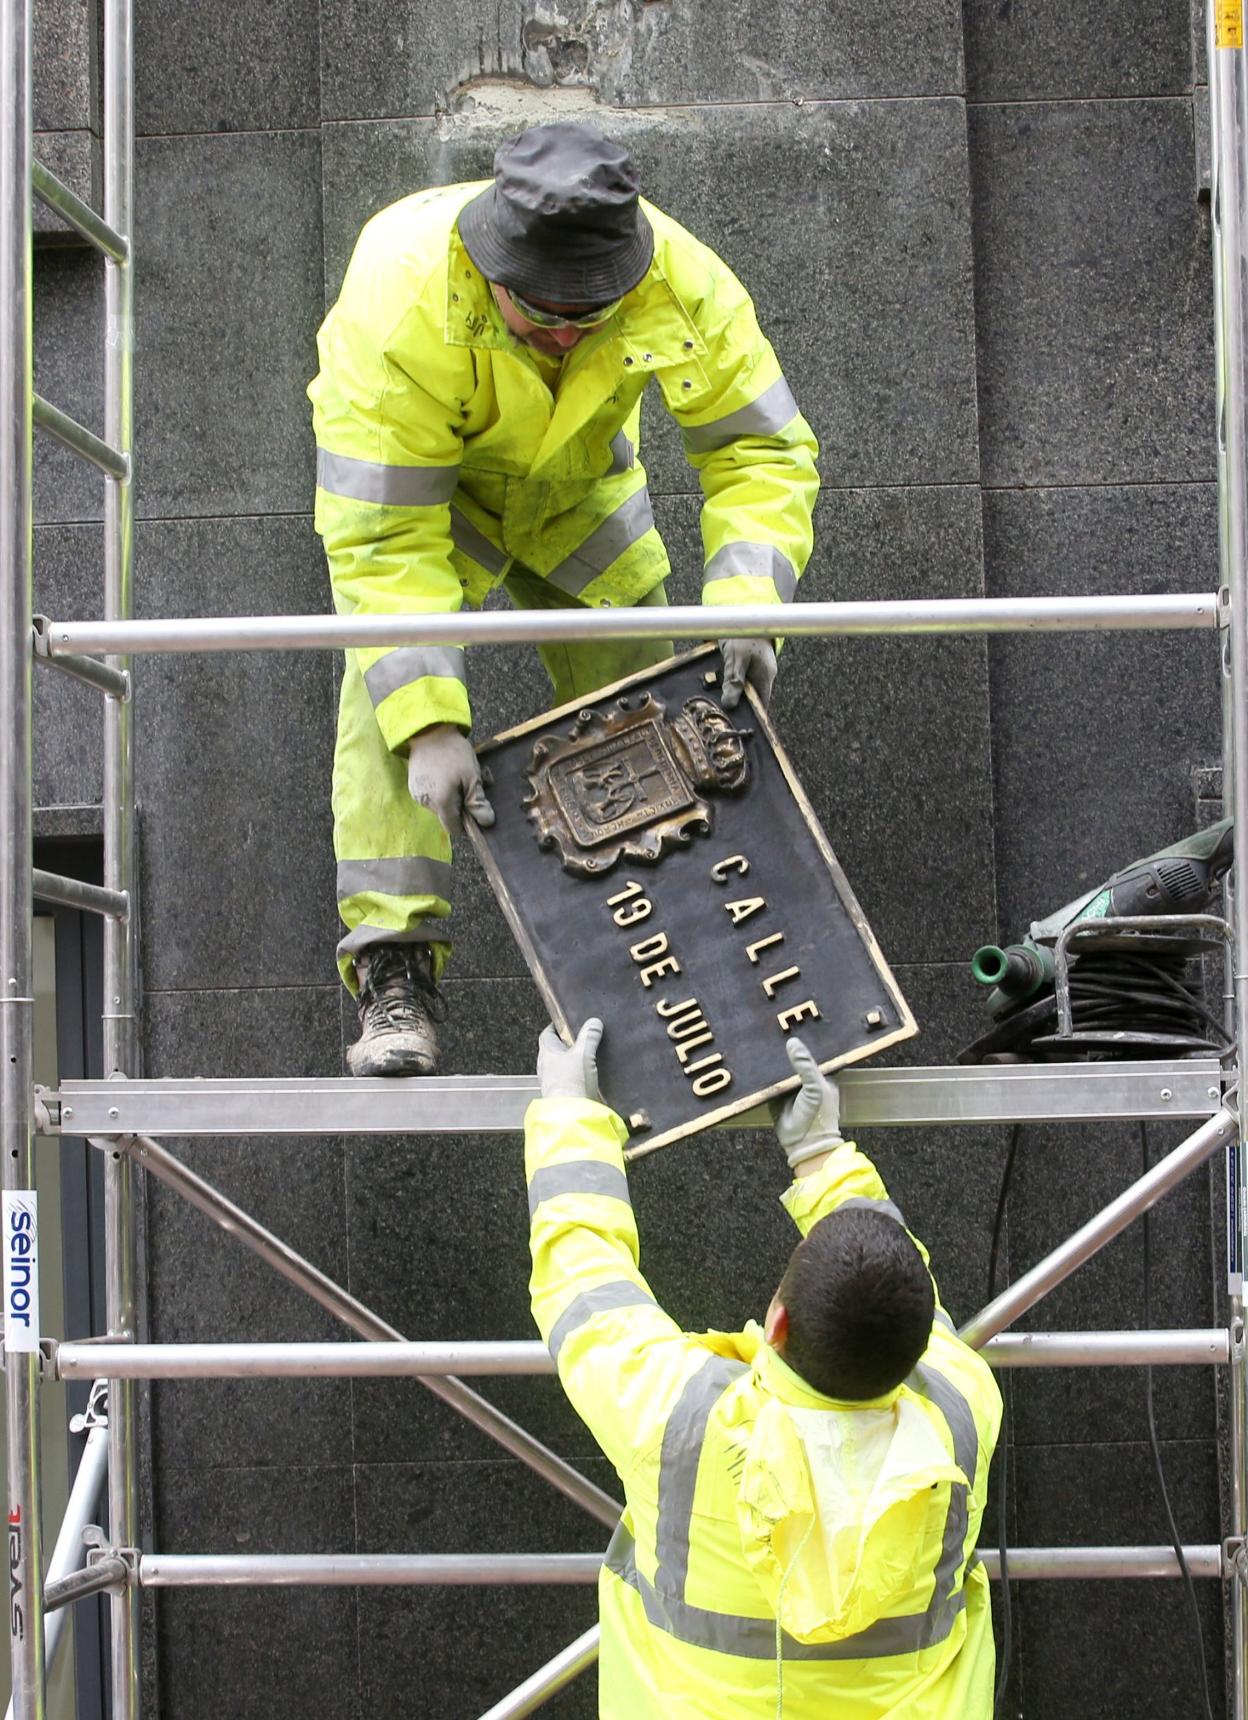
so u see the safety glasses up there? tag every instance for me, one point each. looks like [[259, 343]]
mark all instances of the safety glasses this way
[[557, 319]]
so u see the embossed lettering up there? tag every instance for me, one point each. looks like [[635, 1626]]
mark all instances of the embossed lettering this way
[[789, 1018], [778, 979], [685, 1051], [632, 888], [633, 912], [744, 908], [713, 1082], [738, 863], [656, 970], [752, 950]]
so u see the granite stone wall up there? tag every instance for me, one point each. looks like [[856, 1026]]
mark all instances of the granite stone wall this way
[[974, 236]]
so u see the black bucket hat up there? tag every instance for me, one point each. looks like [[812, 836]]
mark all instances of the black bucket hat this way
[[561, 220]]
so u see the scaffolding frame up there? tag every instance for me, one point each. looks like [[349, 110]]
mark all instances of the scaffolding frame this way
[[120, 1116]]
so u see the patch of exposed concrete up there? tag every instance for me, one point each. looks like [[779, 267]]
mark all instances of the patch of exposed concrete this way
[[562, 48]]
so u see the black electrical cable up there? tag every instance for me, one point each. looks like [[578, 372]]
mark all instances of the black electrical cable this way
[[1003, 1451], [1138, 993], [1198, 1635], [1175, 981], [1133, 1003]]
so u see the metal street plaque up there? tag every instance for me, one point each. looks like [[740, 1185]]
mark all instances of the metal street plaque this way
[[662, 868]]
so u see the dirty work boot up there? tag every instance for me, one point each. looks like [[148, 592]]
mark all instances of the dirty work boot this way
[[399, 1004]]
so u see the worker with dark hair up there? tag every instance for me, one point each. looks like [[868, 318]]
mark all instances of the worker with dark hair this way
[[477, 419], [802, 1499]]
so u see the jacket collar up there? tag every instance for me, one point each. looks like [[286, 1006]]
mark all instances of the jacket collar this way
[[779, 1380], [471, 317], [651, 330]]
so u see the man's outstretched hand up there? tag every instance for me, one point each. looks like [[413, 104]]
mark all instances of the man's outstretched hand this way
[[809, 1123], [443, 774], [752, 660], [570, 1071]]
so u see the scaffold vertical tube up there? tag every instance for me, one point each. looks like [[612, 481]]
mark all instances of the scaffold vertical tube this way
[[120, 945], [68, 1553], [21, 1365], [1228, 114]]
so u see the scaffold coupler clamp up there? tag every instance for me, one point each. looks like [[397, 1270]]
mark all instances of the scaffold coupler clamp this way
[[47, 1112], [121, 1563], [1235, 1559], [96, 1412]]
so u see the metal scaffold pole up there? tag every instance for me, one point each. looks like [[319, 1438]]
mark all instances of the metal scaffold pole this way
[[21, 1364], [1166, 612], [1228, 113], [120, 951]]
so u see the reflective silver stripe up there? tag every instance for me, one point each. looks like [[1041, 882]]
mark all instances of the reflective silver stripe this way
[[393, 486], [773, 409], [942, 1319], [618, 532], [621, 454], [678, 1469], [427, 930], [474, 543], [756, 561], [945, 1605], [865, 1204], [577, 1176], [754, 1638], [619, 1293], [409, 875], [410, 663]]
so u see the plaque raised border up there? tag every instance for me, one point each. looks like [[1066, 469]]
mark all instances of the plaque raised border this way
[[614, 784]]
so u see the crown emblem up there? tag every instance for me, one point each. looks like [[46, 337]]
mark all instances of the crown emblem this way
[[712, 751]]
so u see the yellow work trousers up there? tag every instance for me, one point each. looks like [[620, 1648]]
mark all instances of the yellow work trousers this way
[[394, 857]]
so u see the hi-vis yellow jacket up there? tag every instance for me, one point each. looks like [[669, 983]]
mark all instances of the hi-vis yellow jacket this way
[[780, 1552], [443, 457]]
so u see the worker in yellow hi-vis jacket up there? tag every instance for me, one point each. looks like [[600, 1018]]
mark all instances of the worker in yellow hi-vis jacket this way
[[802, 1499], [476, 417]]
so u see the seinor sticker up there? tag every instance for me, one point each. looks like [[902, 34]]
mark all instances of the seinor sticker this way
[[1228, 23], [21, 1269]]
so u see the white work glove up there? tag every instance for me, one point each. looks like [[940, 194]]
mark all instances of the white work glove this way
[[443, 774], [570, 1071], [810, 1122], [752, 660]]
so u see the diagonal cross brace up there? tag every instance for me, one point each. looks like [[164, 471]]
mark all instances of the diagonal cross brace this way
[[167, 1168]]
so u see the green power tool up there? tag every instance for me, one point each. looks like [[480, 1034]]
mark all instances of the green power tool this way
[[1176, 880]]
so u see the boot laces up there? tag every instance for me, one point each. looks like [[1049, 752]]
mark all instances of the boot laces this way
[[398, 992]]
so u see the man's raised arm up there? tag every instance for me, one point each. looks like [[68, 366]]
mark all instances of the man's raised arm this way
[[622, 1361], [829, 1172]]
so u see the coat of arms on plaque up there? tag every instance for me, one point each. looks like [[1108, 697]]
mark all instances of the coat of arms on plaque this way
[[633, 781]]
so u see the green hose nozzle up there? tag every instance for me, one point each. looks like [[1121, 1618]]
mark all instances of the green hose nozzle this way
[[1017, 971]]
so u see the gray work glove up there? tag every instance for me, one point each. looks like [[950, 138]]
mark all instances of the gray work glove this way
[[443, 774], [570, 1071], [809, 1123], [752, 660]]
